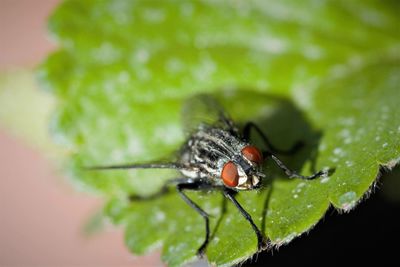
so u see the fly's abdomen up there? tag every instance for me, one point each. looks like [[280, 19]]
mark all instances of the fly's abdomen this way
[[207, 150]]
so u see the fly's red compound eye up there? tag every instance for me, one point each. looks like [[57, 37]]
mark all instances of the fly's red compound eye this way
[[230, 174], [253, 154]]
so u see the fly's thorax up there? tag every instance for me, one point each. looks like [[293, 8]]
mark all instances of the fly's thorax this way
[[223, 157]]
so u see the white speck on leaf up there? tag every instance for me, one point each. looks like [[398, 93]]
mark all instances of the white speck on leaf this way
[[142, 55], [154, 15], [159, 216], [271, 44], [348, 200], [347, 121], [143, 74], [334, 159], [338, 70], [187, 9], [338, 151], [174, 65], [372, 17], [349, 163], [289, 238], [262, 83], [204, 69], [123, 77], [214, 211], [117, 155], [302, 98], [324, 180], [345, 133], [120, 11], [322, 147], [355, 61], [168, 133], [312, 52], [385, 145], [348, 140], [301, 184], [106, 53], [135, 146]]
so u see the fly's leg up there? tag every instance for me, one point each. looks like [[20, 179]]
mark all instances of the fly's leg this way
[[273, 150], [262, 242], [247, 131], [181, 185], [196, 185], [293, 174]]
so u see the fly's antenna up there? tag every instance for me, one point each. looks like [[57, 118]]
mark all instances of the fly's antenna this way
[[172, 165]]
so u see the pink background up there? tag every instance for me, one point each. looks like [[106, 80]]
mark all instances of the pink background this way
[[41, 216]]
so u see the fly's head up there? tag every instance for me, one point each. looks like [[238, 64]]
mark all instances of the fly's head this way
[[243, 171]]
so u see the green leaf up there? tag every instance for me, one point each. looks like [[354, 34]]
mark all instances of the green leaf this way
[[325, 73], [362, 133]]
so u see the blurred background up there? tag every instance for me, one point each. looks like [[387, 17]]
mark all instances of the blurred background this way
[[43, 219]]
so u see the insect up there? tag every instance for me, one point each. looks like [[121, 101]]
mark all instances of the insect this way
[[217, 156]]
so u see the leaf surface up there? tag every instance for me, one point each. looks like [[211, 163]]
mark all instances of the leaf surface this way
[[325, 73]]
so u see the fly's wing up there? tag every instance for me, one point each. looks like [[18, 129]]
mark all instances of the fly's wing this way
[[197, 111], [204, 109]]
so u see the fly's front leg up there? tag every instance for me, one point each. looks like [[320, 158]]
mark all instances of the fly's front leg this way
[[272, 150], [196, 185], [262, 242], [293, 174], [247, 131]]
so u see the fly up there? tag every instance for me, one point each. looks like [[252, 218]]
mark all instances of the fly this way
[[218, 156]]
